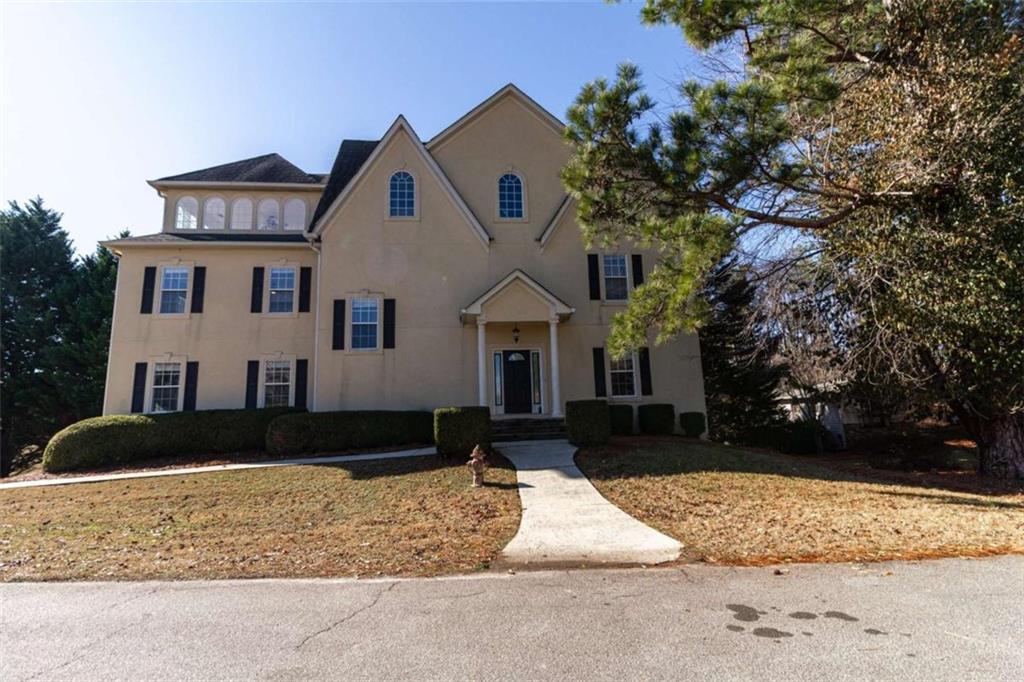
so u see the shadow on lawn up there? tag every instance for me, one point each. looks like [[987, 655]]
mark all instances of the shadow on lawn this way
[[669, 456], [370, 469]]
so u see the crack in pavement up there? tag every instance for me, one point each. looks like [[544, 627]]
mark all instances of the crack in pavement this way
[[83, 650], [350, 616]]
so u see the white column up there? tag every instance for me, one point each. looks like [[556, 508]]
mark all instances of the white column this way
[[481, 358], [556, 391]]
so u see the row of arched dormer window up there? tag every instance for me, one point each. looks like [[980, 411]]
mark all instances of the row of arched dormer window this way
[[402, 196], [215, 215]]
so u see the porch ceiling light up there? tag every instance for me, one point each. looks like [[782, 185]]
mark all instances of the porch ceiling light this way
[[515, 334]]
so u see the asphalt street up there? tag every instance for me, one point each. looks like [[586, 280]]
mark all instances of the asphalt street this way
[[938, 620]]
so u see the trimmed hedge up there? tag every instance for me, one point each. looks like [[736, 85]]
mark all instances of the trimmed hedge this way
[[457, 430], [588, 422], [122, 438], [692, 423], [347, 430], [657, 419], [621, 419]]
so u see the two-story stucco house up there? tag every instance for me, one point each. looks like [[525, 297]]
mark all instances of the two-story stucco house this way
[[414, 275]]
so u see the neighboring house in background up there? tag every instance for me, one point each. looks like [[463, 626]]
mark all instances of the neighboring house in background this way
[[412, 276]]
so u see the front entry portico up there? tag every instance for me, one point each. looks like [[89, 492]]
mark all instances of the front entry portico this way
[[516, 304]]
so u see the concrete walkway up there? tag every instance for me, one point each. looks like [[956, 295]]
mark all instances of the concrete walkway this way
[[566, 522], [182, 471]]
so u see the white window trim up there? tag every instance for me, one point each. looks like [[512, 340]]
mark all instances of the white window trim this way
[[230, 225], [280, 264], [261, 392], [349, 315], [199, 210], [629, 279], [415, 217], [305, 214], [182, 361], [256, 215], [497, 197], [636, 379], [527, 350], [202, 214], [159, 288]]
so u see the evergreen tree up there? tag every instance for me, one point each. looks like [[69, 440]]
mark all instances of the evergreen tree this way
[[36, 265], [740, 381]]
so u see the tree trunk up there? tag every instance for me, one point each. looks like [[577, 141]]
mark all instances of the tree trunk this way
[[1001, 446]]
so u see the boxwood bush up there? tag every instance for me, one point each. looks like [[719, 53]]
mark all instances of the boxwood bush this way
[[621, 419], [692, 423], [123, 438], [457, 430], [657, 419], [294, 434], [588, 422]]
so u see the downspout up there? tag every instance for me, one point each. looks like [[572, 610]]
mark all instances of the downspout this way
[[316, 323]]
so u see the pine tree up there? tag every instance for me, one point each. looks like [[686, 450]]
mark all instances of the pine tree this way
[[740, 381]]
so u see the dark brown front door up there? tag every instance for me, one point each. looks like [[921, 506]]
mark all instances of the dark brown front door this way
[[517, 382]]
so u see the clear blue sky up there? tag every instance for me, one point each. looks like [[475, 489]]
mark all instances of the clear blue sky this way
[[98, 98]]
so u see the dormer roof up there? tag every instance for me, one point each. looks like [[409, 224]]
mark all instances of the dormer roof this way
[[269, 168]]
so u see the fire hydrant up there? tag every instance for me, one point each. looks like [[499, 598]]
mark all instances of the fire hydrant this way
[[477, 464]]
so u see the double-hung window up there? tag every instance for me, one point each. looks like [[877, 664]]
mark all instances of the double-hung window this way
[[615, 275], [277, 379], [623, 377], [282, 290], [166, 386], [173, 290], [364, 323]]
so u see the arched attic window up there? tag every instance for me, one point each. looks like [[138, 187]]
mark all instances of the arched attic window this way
[[510, 196], [268, 215], [186, 214], [402, 195], [295, 214], [213, 213], [241, 214]]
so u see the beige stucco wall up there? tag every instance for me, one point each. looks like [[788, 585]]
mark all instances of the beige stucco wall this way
[[222, 338], [434, 266]]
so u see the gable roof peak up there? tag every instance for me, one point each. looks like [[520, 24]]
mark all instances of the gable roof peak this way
[[507, 90]]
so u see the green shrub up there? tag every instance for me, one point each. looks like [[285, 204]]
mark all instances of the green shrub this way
[[802, 437], [123, 438], [588, 422], [457, 430], [337, 431], [621, 419], [657, 419], [692, 423]]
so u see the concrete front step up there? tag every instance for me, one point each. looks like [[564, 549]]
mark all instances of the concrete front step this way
[[527, 429]]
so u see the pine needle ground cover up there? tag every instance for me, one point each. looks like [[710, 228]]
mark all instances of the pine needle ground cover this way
[[412, 517], [745, 507]]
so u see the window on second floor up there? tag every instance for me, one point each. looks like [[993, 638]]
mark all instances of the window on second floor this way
[[214, 211], [402, 195], [364, 323], [295, 214], [186, 214], [282, 290], [510, 196], [268, 215], [241, 214], [173, 290], [616, 287]]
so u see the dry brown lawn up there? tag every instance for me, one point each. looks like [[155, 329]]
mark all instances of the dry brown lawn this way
[[739, 506], [396, 517]]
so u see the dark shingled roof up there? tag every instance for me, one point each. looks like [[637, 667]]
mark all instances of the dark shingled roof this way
[[352, 154], [173, 237], [266, 168]]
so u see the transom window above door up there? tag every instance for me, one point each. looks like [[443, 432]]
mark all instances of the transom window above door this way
[[510, 196], [402, 195]]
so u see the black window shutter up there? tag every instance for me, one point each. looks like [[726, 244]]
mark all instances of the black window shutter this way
[[645, 372], [600, 390], [338, 334], [389, 323], [594, 276], [148, 284], [252, 383], [305, 282], [256, 304], [191, 379], [638, 269], [198, 288], [301, 374], [139, 388]]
